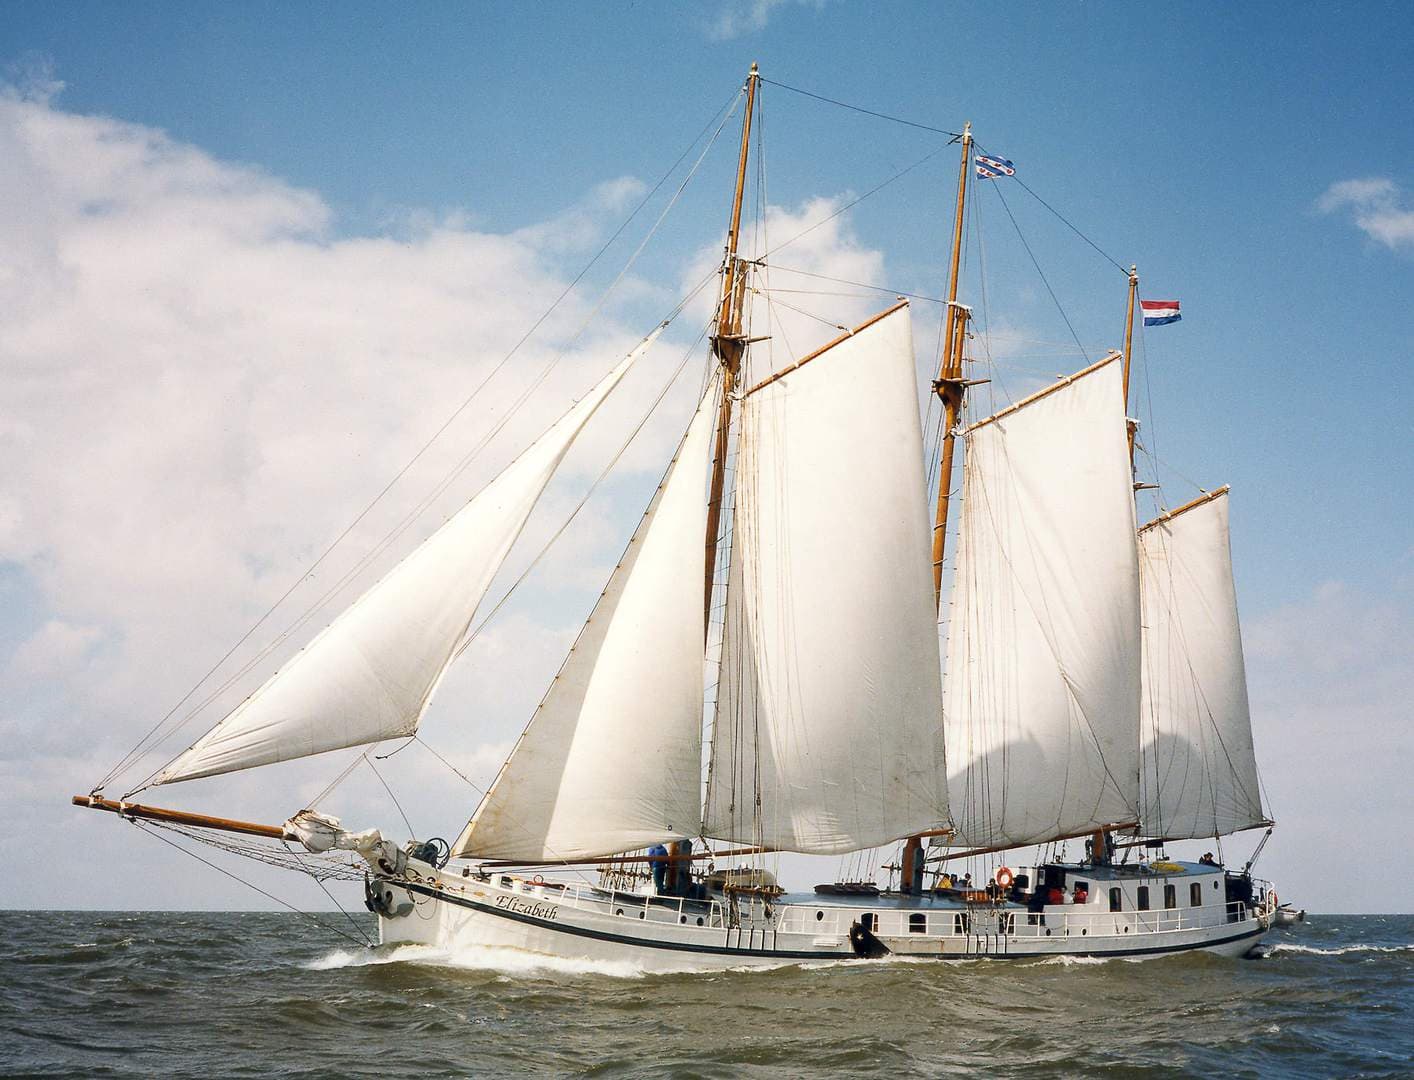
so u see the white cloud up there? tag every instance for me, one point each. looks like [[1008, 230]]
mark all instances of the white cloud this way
[[1379, 207], [737, 18]]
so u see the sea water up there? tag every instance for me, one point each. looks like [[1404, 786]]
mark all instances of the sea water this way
[[164, 994]]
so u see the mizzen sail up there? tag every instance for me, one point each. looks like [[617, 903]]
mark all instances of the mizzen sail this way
[[612, 759], [1200, 772], [827, 714], [1041, 693], [370, 674]]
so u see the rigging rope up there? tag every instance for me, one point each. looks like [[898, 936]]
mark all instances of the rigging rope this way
[[867, 112], [1021, 236], [152, 829]]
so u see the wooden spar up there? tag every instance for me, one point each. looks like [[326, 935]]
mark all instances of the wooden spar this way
[[1191, 504], [949, 386], [1128, 355], [728, 346], [618, 860], [1174, 839], [1007, 847], [1039, 394], [180, 817], [825, 348]]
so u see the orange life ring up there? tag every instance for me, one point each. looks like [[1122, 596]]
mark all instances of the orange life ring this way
[[1005, 877]]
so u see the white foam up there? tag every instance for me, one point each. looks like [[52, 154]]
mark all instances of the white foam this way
[[1287, 947]]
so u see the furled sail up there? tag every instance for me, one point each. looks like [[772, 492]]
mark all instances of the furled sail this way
[[1041, 693], [612, 759], [370, 674], [825, 738], [1199, 770]]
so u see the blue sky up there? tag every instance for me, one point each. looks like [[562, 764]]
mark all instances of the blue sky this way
[[1206, 144]]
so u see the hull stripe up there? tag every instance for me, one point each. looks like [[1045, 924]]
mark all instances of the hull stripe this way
[[789, 954]]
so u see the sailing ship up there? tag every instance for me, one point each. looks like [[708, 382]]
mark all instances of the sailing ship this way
[[1093, 684]]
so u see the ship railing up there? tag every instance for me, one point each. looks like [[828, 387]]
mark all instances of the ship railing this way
[[615, 902]]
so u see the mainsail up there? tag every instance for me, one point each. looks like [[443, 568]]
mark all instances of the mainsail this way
[[612, 759], [1042, 684], [1200, 772], [370, 674], [825, 738]]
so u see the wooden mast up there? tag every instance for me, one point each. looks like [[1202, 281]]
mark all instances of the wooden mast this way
[[1128, 354], [950, 388], [728, 345], [950, 385]]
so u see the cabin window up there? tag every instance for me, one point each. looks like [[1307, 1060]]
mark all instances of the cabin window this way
[[867, 920], [961, 923], [1195, 894], [918, 923], [1143, 904], [1116, 899], [1170, 896]]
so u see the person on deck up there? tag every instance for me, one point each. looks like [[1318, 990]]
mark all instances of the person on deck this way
[[1080, 895], [658, 862], [1208, 860], [1055, 895]]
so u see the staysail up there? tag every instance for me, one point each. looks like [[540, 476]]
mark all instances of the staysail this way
[[1041, 692], [825, 738], [612, 759], [1200, 772], [370, 674]]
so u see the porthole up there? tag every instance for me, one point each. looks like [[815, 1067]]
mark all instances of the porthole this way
[[819, 915], [618, 911], [1083, 932], [699, 920], [643, 914], [682, 918]]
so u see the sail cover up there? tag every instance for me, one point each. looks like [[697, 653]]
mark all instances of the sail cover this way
[[1041, 694], [612, 759], [369, 675], [825, 738], [1200, 773]]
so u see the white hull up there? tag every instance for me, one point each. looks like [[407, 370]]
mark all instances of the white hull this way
[[461, 914]]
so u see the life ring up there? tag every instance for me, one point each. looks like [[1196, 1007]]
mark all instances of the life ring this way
[[537, 880], [1004, 877]]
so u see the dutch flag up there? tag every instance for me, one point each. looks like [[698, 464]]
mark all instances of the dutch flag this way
[[1160, 312]]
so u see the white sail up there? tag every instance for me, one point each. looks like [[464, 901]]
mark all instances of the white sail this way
[[1200, 773], [829, 696], [1042, 687], [612, 759], [370, 674]]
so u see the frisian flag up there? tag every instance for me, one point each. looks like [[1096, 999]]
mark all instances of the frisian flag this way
[[1160, 312], [989, 168]]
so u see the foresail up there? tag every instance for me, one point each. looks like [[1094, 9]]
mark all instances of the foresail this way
[[1199, 775], [370, 674], [1041, 693], [825, 737], [612, 759]]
